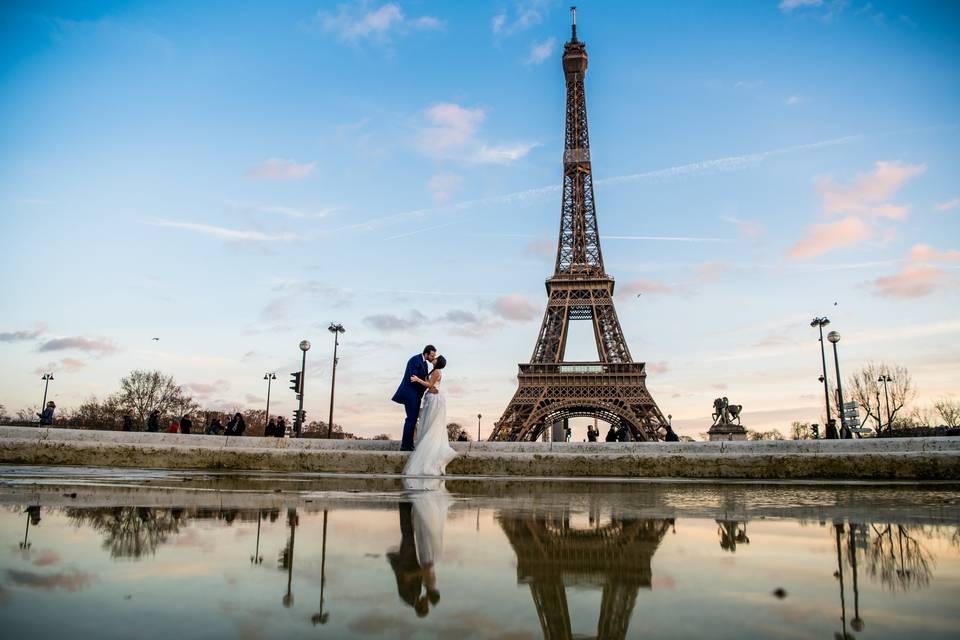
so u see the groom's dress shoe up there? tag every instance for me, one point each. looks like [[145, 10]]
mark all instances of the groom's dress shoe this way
[[406, 448]]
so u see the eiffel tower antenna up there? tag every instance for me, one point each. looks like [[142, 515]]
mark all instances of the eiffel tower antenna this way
[[612, 388]]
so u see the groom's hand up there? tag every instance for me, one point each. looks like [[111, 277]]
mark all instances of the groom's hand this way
[[434, 390]]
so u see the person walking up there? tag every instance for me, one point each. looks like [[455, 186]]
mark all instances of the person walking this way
[[270, 429], [281, 430], [186, 424], [592, 434], [174, 426], [622, 435], [153, 421], [46, 418], [214, 427], [236, 426], [128, 420], [671, 435], [611, 434]]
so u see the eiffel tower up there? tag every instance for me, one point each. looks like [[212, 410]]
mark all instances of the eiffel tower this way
[[550, 389]]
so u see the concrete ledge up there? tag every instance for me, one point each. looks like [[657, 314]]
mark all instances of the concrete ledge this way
[[868, 459]]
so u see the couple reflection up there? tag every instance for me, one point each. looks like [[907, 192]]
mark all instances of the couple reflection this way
[[422, 518]]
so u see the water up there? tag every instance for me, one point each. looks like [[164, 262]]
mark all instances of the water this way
[[134, 554]]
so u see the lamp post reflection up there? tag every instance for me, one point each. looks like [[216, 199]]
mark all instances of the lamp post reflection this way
[[857, 623], [838, 528], [321, 617], [256, 558], [286, 556], [33, 517]]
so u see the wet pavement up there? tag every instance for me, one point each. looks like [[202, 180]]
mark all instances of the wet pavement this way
[[94, 553]]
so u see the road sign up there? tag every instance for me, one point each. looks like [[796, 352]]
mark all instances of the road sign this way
[[850, 406], [860, 429]]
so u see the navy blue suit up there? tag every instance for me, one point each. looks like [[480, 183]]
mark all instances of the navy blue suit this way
[[409, 394]]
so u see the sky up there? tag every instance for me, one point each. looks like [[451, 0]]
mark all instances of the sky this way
[[233, 178]]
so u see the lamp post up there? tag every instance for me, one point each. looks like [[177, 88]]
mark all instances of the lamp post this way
[[269, 377], [834, 338], [821, 323], [322, 616], [336, 330], [879, 409], [304, 346], [478, 426], [885, 378], [47, 377]]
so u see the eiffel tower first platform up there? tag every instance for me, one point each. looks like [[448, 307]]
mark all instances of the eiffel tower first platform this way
[[551, 390]]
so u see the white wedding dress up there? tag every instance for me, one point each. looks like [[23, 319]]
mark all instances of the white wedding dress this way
[[431, 449]]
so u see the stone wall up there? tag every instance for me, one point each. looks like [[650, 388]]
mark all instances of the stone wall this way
[[867, 459]]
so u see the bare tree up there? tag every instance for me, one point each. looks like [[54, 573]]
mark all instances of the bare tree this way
[[949, 411], [28, 414], [773, 434], [454, 430], [801, 431], [147, 391], [382, 436], [3, 414], [867, 392]]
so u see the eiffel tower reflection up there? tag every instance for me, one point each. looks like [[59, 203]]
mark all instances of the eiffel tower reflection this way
[[552, 555]]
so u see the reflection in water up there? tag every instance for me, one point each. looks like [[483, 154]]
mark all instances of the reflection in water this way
[[732, 533], [130, 532], [552, 555], [285, 562], [898, 557], [33, 518], [422, 520]]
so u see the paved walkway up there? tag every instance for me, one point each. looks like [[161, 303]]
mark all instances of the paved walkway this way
[[868, 459]]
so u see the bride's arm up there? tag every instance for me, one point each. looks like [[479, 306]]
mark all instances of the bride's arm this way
[[429, 384]]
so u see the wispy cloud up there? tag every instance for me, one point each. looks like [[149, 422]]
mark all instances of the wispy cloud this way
[[870, 193], [94, 346], [540, 51], [704, 167], [281, 169], [789, 5], [443, 185], [69, 365], [204, 390], [285, 211], [823, 238], [451, 133], [795, 100], [643, 286], [359, 21], [23, 334], [948, 205], [520, 16], [921, 275], [516, 307], [749, 229], [224, 233]]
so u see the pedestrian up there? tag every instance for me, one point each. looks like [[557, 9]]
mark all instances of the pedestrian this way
[[281, 430], [174, 426], [186, 424], [128, 420], [214, 427], [46, 418], [622, 435], [592, 434], [611, 434], [270, 429], [153, 421], [671, 434], [236, 426]]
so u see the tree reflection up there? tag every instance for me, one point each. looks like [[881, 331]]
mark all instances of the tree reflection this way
[[732, 533], [130, 532], [898, 558]]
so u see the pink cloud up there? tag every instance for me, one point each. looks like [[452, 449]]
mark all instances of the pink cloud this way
[[657, 367], [711, 271], [516, 307], [948, 205], [643, 286], [869, 193], [822, 238], [919, 277], [912, 282], [924, 253]]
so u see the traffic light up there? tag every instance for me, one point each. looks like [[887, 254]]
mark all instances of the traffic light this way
[[296, 382], [298, 417], [816, 431]]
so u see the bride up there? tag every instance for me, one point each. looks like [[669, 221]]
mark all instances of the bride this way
[[431, 451]]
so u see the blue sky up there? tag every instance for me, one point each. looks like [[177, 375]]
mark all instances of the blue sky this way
[[231, 179]]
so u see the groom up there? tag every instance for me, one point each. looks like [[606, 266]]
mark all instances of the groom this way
[[409, 394]]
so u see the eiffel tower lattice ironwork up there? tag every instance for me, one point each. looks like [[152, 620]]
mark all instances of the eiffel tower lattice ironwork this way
[[550, 389]]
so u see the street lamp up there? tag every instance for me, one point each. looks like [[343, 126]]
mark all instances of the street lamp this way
[[304, 346], [336, 330], [834, 338], [47, 377], [269, 377], [885, 378], [478, 426], [821, 323]]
